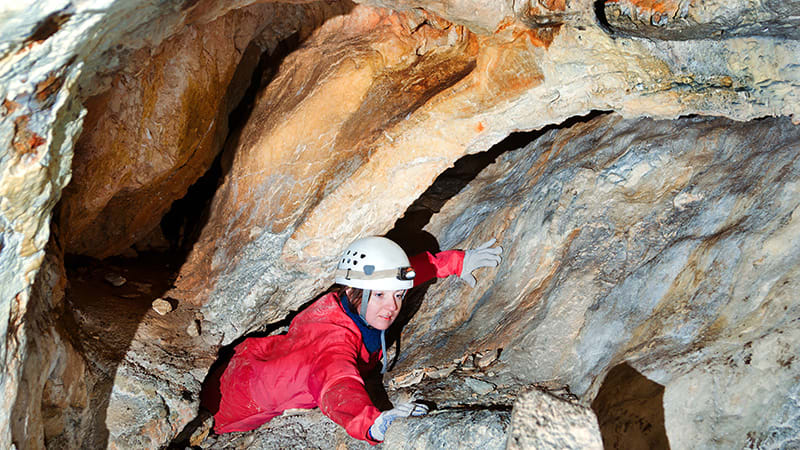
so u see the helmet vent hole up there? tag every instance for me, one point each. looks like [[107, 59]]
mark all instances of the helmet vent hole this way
[[355, 263], [363, 256]]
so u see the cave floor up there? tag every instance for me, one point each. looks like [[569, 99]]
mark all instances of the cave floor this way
[[112, 305]]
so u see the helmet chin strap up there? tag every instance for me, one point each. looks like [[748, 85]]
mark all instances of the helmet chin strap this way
[[365, 294]]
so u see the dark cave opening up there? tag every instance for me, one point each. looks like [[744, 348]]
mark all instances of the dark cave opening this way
[[630, 411], [118, 299]]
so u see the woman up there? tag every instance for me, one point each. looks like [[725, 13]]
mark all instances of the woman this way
[[329, 345]]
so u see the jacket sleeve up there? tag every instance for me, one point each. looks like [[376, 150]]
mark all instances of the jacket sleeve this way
[[339, 389], [441, 265]]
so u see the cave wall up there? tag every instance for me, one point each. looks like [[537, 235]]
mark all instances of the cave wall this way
[[357, 123], [57, 61], [164, 119], [276, 250], [669, 245]]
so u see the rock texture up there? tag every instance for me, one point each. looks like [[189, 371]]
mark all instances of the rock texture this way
[[666, 244], [55, 394], [53, 58], [305, 161], [682, 19], [540, 420], [160, 125]]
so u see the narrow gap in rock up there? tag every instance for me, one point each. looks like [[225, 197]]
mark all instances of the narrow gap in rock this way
[[409, 234], [49, 26], [630, 411], [600, 13], [408, 230], [147, 270], [185, 220]]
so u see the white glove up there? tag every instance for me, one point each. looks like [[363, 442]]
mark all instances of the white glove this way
[[482, 256], [378, 429]]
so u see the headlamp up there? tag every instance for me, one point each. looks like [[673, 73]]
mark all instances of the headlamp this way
[[406, 273]]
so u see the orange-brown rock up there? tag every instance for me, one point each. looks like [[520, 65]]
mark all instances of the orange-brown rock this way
[[355, 126], [158, 128]]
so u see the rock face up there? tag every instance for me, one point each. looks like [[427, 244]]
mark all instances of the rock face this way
[[163, 121], [684, 20], [158, 128], [56, 393], [361, 136], [541, 420], [354, 83], [665, 244]]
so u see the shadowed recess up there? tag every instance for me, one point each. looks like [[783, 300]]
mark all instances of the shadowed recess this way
[[630, 411]]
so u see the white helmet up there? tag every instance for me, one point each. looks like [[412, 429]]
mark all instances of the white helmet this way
[[375, 263]]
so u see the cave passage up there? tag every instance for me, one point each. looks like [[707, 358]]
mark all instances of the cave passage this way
[[121, 303], [630, 411]]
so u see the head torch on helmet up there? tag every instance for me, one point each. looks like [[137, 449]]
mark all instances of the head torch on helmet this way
[[406, 273], [375, 263]]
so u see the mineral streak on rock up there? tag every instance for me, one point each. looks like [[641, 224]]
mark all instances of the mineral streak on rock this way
[[158, 128]]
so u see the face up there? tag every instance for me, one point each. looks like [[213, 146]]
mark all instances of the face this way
[[383, 308]]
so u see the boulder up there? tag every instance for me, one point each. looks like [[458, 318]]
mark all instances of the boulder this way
[[543, 421]]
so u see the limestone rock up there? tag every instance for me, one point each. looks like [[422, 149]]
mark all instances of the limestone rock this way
[[479, 386], [162, 306], [542, 421], [298, 150], [309, 428], [158, 128], [669, 245], [304, 162], [193, 329], [450, 429], [649, 242], [115, 279], [717, 19]]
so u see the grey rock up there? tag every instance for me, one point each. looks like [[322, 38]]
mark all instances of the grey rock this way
[[450, 429], [479, 386], [542, 421], [669, 245]]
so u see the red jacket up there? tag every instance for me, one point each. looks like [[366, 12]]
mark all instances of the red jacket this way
[[318, 362]]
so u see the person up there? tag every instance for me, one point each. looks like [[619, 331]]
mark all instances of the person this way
[[329, 345]]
